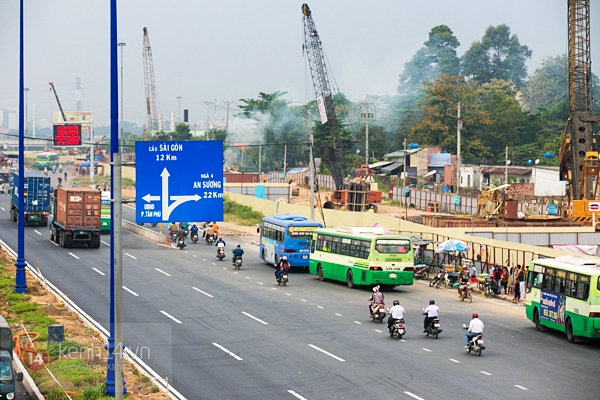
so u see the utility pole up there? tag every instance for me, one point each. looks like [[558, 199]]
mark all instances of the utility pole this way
[[367, 116], [207, 124], [284, 159], [405, 171], [178, 109], [506, 166], [227, 120], [458, 128], [311, 168]]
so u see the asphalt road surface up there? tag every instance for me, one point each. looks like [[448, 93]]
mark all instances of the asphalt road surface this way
[[218, 333]]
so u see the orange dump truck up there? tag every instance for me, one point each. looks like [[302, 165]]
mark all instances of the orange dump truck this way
[[76, 217]]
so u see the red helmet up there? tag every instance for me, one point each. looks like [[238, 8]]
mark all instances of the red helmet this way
[[475, 315]]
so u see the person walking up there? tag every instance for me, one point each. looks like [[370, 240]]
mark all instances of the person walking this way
[[497, 277], [516, 280]]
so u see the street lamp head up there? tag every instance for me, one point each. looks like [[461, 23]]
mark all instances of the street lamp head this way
[[122, 44]]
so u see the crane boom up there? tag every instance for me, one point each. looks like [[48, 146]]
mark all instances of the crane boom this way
[[58, 101], [332, 156], [578, 154], [151, 113]]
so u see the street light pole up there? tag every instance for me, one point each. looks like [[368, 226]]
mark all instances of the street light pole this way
[[26, 90], [121, 45]]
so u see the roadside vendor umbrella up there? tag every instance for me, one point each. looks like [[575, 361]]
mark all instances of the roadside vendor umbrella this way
[[451, 246]]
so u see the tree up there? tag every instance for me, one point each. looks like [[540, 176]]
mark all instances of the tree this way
[[499, 55], [182, 132], [438, 56]]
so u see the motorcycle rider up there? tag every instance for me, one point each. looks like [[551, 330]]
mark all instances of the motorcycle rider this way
[[376, 300], [182, 234], [209, 232], [396, 314], [431, 312], [194, 230], [464, 279], [282, 266], [475, 328], [237, 252]]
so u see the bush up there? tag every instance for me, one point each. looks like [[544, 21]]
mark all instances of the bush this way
[[240, 214]]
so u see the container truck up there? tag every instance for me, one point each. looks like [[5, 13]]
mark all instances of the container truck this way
[[76, 217], [7, 373], [36, 197]]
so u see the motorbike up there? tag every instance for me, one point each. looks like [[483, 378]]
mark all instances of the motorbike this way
[[195, 238], [210, 239], [173, 236], [237, 262], [398, 329], [221, 252], [283, 279], [421, 272], [437, 279], [464, 292], [181, 243], [434, 328], [488, 287], [475, 344], [379, 314], [153, 224]]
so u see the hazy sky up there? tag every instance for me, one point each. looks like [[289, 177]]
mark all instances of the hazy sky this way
[[225, 50]]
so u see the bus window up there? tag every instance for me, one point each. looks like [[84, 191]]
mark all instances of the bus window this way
[[583, 287], [395, 246]]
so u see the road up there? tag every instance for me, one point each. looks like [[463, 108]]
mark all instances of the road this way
[[219, 333]]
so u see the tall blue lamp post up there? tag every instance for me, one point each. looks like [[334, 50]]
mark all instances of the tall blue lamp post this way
[[20, 278]]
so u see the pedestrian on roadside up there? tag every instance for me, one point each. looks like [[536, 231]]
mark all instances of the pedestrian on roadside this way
[[504, 279], [517, 276], [497, 277], [522, 283]]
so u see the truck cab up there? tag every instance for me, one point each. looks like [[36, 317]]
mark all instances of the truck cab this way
[[8, 376]]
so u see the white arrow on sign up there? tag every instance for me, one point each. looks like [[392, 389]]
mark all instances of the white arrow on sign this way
[[177, 200], [149, 198]]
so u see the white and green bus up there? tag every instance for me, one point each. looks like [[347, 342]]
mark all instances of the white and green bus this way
[[361, 256], [563, 294]]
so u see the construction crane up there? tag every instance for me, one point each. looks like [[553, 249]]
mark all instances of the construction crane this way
[[58, 101], [151, 113], [579, 162], [333, 155]]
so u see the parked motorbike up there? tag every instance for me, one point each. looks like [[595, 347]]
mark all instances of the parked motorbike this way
[[379, 314], [464, 292], [221, 252], [398, 329], [437, 279], [449, 280], [475, 344], [488, 287], [195, 238], [237, 262], [283, 279], [181, 243], [421, 272]]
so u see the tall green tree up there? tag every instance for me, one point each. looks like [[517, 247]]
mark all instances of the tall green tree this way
[[182, 132], [499, 55], [548, 85], [438, 56]]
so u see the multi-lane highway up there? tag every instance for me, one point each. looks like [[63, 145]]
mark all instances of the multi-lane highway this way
[[219, 333]]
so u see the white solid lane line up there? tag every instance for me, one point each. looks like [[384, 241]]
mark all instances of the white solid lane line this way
[[98, 271], [74, 255], [204, 293], [39, 233], [170, 316], [521, 387], [129, 255], [131, 291], [296, 395], [326, 352], [414, 396], [254, 318], [162, 272], [228, 352]]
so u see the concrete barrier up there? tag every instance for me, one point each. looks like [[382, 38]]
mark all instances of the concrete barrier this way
[[149, 234]]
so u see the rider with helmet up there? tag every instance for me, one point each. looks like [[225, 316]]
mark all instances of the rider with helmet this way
[[220, 243], [475, 328], [431, 312], [463, 281], [396, 314], [282, 266], [237, 252], [376, 300]]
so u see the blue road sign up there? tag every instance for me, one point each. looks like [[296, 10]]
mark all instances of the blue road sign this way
[[179, 181]]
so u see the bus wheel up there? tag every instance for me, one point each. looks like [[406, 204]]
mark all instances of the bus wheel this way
[[536, 320], [350, 279], [569, 331], [320, 273]]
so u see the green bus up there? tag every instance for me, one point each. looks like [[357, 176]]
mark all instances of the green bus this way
[[46, 160], [105, 212], [563, 294], [361, 256]]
